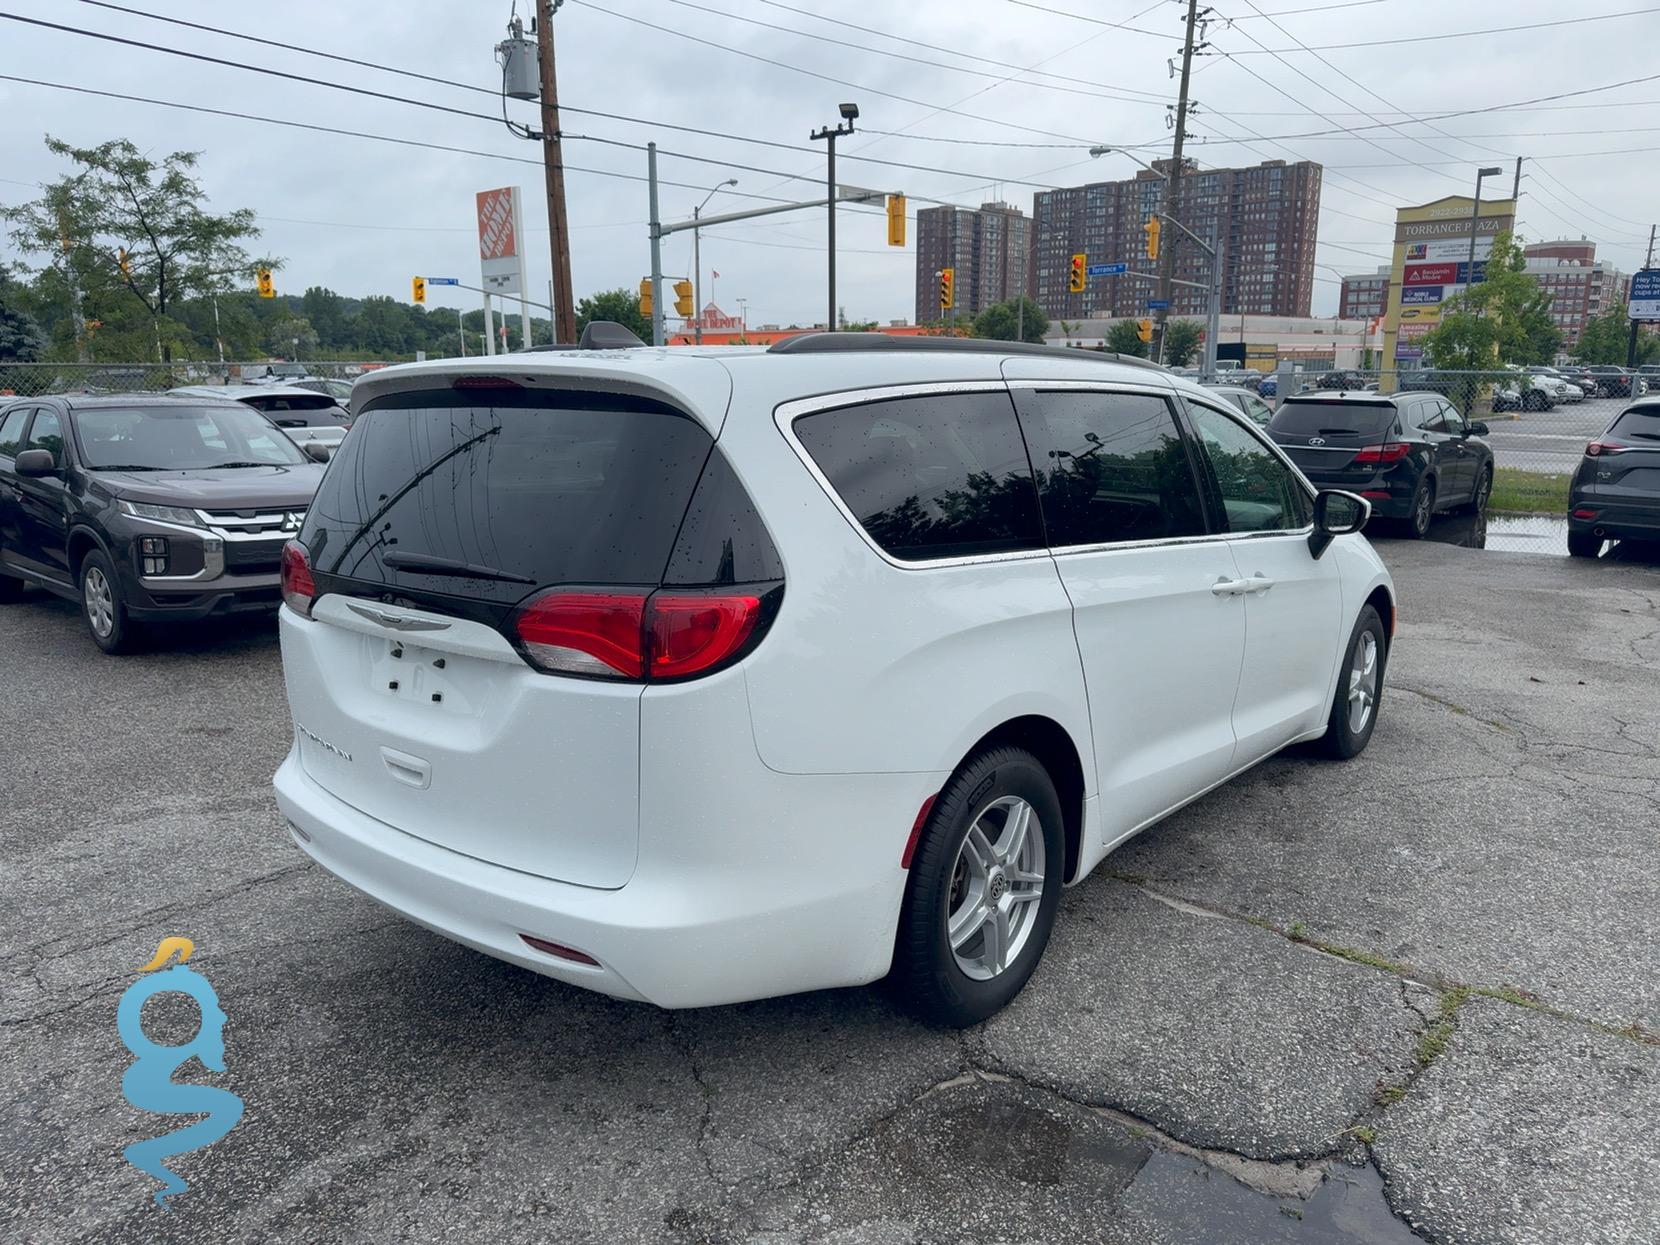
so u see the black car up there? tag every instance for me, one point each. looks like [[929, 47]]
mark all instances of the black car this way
[[1612, 381], [1616, 491], [1409, 454], [147, 508]]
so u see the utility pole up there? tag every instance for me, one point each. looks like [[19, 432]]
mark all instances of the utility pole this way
[[850, 113], [1167, 260], [1631, 341], [553, 160], [1516, 186], [656, 227]]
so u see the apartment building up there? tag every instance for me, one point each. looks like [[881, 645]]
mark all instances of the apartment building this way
[[988, 248]]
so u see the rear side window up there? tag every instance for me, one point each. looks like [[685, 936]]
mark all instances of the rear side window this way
[[491, 495], [930, 476], [723, 540], [1110, 467], [1314, 419]]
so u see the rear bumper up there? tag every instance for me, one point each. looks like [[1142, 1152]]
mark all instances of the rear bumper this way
[[816, 908], [1617, 522]]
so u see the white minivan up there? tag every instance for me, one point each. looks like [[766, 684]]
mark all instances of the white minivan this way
[[701, 675]]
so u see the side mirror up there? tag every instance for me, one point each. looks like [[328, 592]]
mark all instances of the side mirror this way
[[317, 451], [1336, 513], [36, 463], [1478, 429]]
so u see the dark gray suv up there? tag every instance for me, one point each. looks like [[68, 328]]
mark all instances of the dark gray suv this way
[[147, 508]]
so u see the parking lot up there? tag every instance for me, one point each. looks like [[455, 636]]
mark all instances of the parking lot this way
[[1413, 995], [1550, 441]]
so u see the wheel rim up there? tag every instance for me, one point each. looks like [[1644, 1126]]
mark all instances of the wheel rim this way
[[1363, 682], [100, 602], [1421, 516], [1484, 490], [996, 888]]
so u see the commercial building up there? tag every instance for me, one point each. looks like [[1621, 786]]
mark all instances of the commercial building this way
[[1580, 285], [1262, 220], [1364, 295], [988, 248], [1260, 343], [1433, 244]]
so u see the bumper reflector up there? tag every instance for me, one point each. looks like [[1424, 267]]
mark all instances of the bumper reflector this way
[[558, 951]]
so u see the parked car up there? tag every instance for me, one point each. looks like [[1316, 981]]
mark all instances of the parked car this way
[[147, 508], [1268, 386], [1615, 493], [273, 373], [1543, 392], [306, 417], [1566, 390], [1507, 396], [1249, 404], [1409, 454], [1341, 378], [1613, 381], [552, 623], [339, 390]]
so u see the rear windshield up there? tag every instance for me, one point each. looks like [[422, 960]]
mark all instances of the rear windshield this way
[[1642, 422], [180, 438], [491, 496], [1313, 419], [299, 409]]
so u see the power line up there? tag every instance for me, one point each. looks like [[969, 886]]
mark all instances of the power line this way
[[1096, 21], [1459, 34]]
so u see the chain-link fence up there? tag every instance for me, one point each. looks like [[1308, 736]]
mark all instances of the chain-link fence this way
[[1538, 420], [28, 380]]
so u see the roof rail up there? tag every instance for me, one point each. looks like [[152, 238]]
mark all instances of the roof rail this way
[[836, 343]]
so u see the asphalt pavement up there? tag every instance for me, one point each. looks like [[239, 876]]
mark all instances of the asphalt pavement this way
[[1553, 441], [1411, 996]]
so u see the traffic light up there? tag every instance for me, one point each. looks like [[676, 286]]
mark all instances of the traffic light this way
[[418, 289], [683, 300], [896, 220], [1077, 277], [262, 279], [948, 292], [645, 297], [1144, 330], [1151, 229]]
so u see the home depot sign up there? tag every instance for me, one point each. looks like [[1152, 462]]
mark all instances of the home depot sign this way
[[500, 227]]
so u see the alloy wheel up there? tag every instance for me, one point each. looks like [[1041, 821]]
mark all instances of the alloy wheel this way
[[1363, 682], [100, 602], [996, 888]]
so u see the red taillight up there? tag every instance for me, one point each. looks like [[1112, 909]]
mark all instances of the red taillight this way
[[1583, 513], [560, 950], [693, 632], [635, 635], [1599, 448], [299, 589], [1375, 494], [1388, 452], [596, 633]]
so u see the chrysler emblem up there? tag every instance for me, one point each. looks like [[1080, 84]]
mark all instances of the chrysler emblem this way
[[398, 622]]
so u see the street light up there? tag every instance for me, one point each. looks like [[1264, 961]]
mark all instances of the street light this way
[[697, 260], [849, 113], [1475, 219], [1108, 151]]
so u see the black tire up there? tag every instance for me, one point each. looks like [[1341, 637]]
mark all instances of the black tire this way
[[11, 588], [1533, 400], [1584, 545], [1422, 514], [926, 976], [97, 577], [1341, 740], [1484, 489]]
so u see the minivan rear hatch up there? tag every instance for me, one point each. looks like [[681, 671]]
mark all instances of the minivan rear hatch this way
[[445, 510], [1322, 436]]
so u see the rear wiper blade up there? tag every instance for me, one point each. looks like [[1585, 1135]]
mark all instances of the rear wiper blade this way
[[426, 565]]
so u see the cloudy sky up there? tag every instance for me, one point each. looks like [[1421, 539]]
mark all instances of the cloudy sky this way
[[979, 99]]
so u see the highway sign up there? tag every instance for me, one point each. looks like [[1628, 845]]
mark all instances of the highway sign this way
[[1158, 304], [1645, 295], [1107, 270], [442, 281]]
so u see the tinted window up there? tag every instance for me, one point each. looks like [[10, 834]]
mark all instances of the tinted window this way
[[1259, 411], [1428, 416], [11, 430], [1315, 418], [46, 433], [1259, 492], [1110, 466], [1451, 420], [722, 540], [180, 438], [540, 486], [1640, 421], [932, 476], [299, 409]]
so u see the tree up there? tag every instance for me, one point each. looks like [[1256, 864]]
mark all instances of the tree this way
[[1181, 341], [1123, 338], [290, 337], [1503, 318], [21, 339], [1604, 339], [621, 306], [125, 220], [1005, 321]]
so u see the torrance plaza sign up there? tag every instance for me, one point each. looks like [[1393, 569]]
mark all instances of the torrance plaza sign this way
[[1430, 264]]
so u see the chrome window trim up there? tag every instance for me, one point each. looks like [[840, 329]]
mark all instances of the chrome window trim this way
[[785, 415]]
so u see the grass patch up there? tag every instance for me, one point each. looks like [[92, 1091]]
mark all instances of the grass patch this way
[[1389, 1095], [1298, 932], [1363, 1133], [1529, 492], [1433, 1041]]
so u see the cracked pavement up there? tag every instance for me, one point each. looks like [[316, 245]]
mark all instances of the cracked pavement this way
[[1414, 996]]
